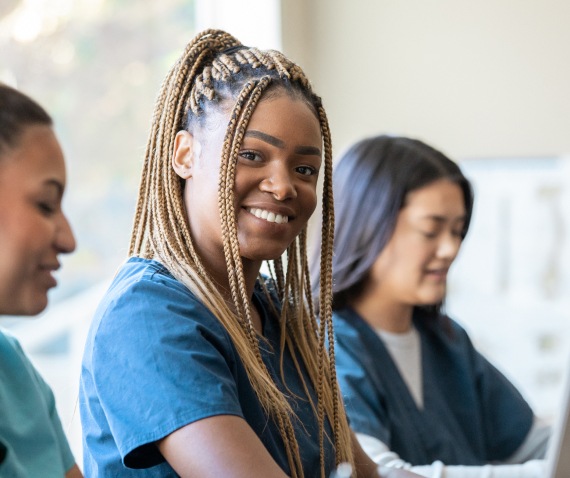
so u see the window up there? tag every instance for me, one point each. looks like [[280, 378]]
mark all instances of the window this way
[[96, 66]]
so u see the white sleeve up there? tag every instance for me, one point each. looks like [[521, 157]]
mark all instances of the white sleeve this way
[[384, 458]]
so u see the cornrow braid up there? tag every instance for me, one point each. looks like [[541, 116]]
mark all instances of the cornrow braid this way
[[215, 69]]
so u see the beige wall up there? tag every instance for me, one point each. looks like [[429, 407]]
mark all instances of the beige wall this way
[[474, 78]]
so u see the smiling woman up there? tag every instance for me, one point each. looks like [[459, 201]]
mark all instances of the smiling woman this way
[[34, 230], [276, 176], [33, 233], [196, 364], [418, 393]]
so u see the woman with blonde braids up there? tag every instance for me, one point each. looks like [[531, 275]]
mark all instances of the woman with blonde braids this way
[[195, 364]]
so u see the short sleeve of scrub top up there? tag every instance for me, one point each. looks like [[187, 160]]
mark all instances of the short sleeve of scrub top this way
[[150, 341], [31, 433]]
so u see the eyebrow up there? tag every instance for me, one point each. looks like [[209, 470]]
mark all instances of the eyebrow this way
[[310, 150], [278, 143], [437, 218], [272, 140]]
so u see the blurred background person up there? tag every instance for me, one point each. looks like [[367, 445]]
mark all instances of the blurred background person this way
[[34, 232], [415, 388]]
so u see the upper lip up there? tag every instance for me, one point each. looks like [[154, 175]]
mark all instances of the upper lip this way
[[443, 269], [51, 266], [274, 208]]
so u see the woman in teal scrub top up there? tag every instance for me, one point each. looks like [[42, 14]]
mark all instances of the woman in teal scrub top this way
[[33, 233], [197, 365]]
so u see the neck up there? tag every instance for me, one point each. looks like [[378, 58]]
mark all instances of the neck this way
[[218, 271], [382, 313]]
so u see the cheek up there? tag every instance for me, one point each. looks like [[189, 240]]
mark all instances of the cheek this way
[[309, 195], [15, 235], [17, 274], [418, 251], [408, 262]]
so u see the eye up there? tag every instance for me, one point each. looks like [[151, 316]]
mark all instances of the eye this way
[[250, 155], [429, 235], [306, 170], [47, 209]]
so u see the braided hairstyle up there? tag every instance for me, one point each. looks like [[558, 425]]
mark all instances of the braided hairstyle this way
[[216, 71]]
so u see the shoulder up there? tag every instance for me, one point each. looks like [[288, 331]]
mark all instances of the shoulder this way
[[349, 325], [9, 344], [11, 352], [354, 340], [146, 303], [138, 272], [145, 285]]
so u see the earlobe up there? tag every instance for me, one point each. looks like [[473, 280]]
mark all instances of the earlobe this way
[[186, 150]]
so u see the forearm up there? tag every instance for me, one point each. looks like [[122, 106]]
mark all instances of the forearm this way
[[530, 469], [367, 468], [388, 460]]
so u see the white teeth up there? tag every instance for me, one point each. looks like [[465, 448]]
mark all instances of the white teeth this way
[[269, 216]]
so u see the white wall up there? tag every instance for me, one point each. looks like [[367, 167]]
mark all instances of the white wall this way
[[510, 286], [485, 78], [252, 22]]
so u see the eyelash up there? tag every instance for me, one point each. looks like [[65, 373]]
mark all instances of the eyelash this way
[[245, 154], [46, 208], [433, 235], [248, 156], [312, 171]]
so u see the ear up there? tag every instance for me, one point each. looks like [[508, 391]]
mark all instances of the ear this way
[[186, 151]]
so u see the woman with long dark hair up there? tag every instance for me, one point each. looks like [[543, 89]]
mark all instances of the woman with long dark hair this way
[[416, 390]]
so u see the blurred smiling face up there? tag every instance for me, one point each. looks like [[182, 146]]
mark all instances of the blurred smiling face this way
[[412, 269], [33, 228]]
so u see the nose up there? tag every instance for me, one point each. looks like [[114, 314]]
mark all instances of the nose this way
[[279, 182], [64, 239], [448, 246]]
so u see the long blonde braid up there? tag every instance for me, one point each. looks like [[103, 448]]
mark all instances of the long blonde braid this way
[[202, 77]]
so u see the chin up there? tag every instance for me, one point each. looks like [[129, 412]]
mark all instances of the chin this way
[[34, 307], [431, 299], [267, 255]]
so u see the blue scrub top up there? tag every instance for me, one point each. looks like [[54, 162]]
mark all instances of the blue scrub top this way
[[157, 359], [32, 439], [471, 414]]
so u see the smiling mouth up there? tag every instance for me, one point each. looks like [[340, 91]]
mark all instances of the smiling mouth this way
[[437, 272], [268, 216]]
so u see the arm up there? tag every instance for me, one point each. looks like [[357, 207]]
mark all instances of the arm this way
[[223, 445], [535, 443], [388, 460], [366, 468]]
